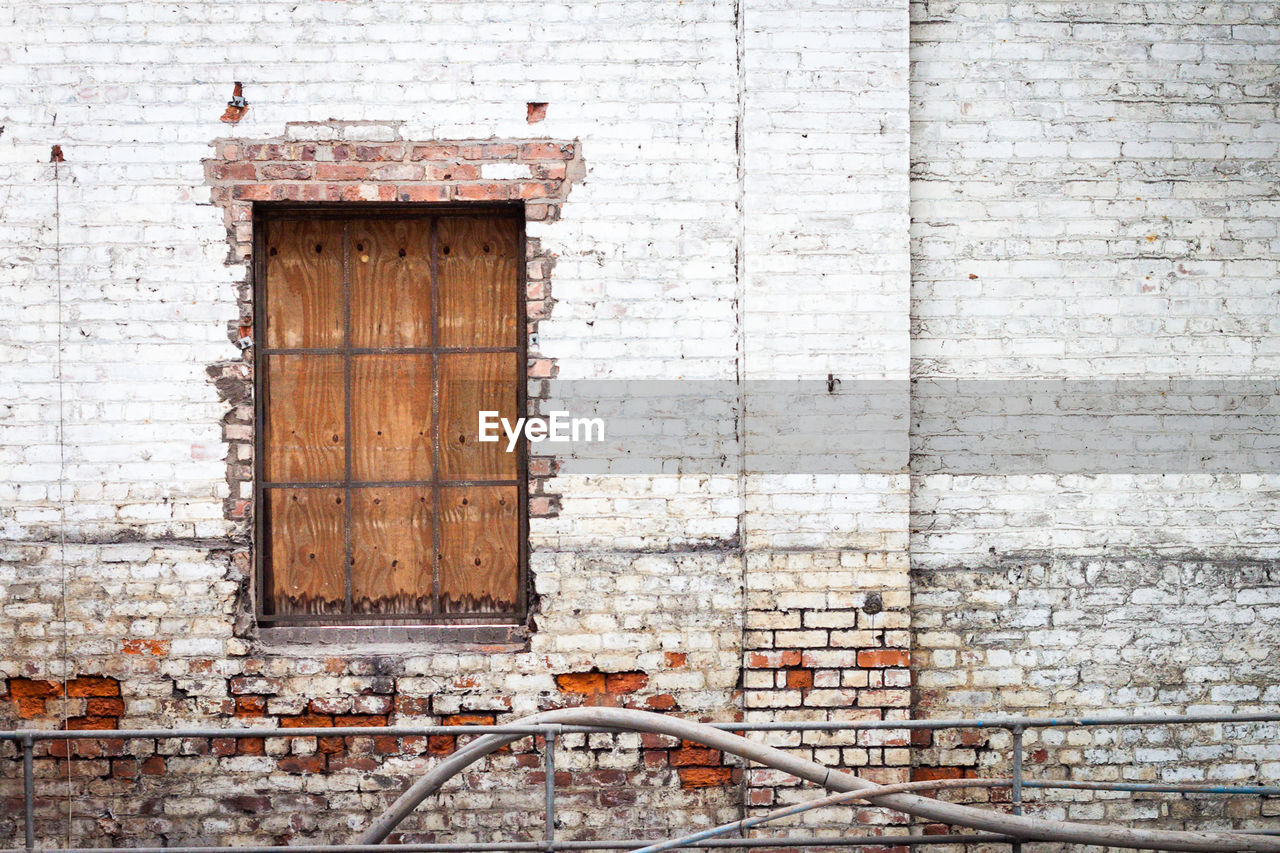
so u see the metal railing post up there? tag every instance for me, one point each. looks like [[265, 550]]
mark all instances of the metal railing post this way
[[549, 784], [1015, 791], [29, 792]]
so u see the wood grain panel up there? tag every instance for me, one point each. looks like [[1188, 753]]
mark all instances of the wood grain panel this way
[[390, 283], [304, 567], [391, 570], [470, 383], [391, 417], [304, 283], [305, 440], [479, 264], [479, 565]]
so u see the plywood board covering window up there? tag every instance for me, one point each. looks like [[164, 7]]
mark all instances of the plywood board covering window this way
[[381, 337]]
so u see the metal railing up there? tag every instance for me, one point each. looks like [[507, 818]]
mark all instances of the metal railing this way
[[1258, 839]]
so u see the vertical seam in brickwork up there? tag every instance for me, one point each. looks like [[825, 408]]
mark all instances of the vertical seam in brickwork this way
[[62, 461], [740, 365]]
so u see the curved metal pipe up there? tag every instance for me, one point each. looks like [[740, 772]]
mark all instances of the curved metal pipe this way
[[1019, 826]]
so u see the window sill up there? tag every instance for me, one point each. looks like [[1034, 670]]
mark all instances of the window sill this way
[[393, 638]]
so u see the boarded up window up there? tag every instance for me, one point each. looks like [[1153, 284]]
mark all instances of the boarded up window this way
[[381, 337]]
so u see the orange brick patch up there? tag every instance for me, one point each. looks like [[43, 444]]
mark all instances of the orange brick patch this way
[[30, 695], [884, 657], [581, 683], [159, 648], [704, 777]]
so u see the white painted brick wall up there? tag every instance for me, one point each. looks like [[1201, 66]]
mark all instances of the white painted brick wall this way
[[1091, 200], [1091, 195]]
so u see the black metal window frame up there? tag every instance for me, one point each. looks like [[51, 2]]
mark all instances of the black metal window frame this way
[[266, 212]]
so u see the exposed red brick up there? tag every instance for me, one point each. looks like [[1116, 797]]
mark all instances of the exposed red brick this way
[[223, 746], [303, 764], [153, 766], [661, 702], [378, 153], [435, 152], [550, 171], [250, 746], [306, 721], [491, 151], [535, 111], [492, 191], [543, 507], [691, 756], [625, 682], [704, 777], [257, 192], [924, 774], [453, 172], [467, 720], [799, 679], [92, 723], [603, 778], [104, 707], [159, 648], [617, 797], [655, 758], [546, 151], [234, 172], [884, 657], [536, 189], [30, 694], [441, 744], [413, 705], [386, 745], [773, 660], [251, 706], [236, 107], [331, 745], [355, 720], [581, 683], [563, 778], [93, 685]]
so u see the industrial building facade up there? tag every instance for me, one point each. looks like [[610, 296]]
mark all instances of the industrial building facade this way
[[934, 345]]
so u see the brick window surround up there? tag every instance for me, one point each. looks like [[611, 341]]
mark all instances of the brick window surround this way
[[362, 164]]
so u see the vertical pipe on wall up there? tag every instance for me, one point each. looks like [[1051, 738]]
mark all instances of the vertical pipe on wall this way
[[549, 784], [1015, 794], [28, 793]]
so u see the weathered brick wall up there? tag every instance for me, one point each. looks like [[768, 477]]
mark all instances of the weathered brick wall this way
[[1092, 189], [127, 422], [1092, 199]]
